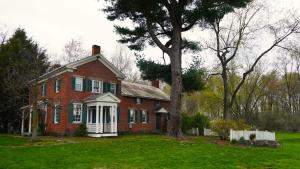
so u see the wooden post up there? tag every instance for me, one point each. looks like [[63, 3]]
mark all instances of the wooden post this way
[[22, 127], [111, 119], [97, 118], [101, 119], [29, 125]]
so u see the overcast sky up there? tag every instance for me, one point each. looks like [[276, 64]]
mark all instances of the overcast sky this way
[[54, 22]]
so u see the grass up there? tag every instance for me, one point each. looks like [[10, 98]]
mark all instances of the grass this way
[[143, 151]]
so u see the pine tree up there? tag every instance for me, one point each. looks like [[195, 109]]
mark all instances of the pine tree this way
[[154, 20]]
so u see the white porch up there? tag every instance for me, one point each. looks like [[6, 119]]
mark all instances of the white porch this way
[[102, 115]]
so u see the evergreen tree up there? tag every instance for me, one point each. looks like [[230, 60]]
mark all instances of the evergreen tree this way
[[21, 60], [157, 20]]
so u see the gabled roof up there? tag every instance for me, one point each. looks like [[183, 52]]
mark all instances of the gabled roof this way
[[73, 65], [143, 91], [162, 110], [104, 97]]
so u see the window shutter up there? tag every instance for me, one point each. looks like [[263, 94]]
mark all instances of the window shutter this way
[[89, 84], [141, 116], [118, 114], [83, 84], [84, 113], [104, 87], [117, 89], [128, 115], [134, 99], [73, 83], [59, 84], [58, 108], [136, 116], [55, 86], [147, 114], [53, 114], [70, 113], [45, 88]]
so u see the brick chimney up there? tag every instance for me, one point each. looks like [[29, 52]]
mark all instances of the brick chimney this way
[[96, 49], [155, 83]]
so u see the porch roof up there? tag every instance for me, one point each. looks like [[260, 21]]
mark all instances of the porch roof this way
[[162, 110], [103, 97]]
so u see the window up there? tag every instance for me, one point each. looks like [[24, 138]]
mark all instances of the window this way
[[138, 100], [56, 113], [77, 112], [97, 86], [144, 116], [43, 89], [113, 88], [57, 86], [132, 116], [78, 83]]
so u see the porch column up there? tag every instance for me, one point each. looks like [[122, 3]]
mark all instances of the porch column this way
[[111, 119], [116, 119], [97, 118], [101, 119], [29, 125], [22, 127]]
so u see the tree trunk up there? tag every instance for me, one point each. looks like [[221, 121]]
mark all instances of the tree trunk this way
[[226, 107], [174, 124]]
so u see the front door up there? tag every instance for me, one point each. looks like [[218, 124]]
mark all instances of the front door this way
[[161, 122]]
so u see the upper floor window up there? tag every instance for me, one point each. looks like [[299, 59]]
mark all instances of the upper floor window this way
[[43, 89], [113, 88], [78, 83], [138, 100], [77, 112], [57, 86], [97, 86]]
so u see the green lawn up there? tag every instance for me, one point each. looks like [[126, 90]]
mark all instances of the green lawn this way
[[144, 151]]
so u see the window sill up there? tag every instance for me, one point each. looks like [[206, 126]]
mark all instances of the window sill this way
[[77, 122]]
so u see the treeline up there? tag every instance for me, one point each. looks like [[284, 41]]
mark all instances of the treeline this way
[[267, 101], [21, 60]]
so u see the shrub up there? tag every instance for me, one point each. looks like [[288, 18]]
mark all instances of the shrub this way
[[222, 127], [81, 131], [186, 122], [200, 121], [233, 141], [252, 137], [242, 139]]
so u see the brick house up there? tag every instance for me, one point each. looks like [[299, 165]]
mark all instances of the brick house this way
[[92, 91]]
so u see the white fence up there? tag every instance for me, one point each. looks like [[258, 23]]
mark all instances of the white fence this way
[[209, 132], [259, 135]]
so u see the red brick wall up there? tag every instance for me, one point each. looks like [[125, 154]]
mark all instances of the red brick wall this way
[[148, 105], [93, 70]]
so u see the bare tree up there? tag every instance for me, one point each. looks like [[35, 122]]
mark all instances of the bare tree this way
[[231, 40], [73, 50], [122, 59]]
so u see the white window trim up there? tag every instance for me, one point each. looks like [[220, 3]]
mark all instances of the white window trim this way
[[81, 87], [74, 105], [133, 116], [56, 86], [100, 86], [146, 117], [55, 113]]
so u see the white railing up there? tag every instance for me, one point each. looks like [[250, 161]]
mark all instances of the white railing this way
[[91, 127], [107, 128], [209, 132], [259, 135]]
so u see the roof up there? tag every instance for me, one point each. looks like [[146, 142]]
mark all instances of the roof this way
[[103, 97], [162, 110], [73, 65], [143, 91]]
